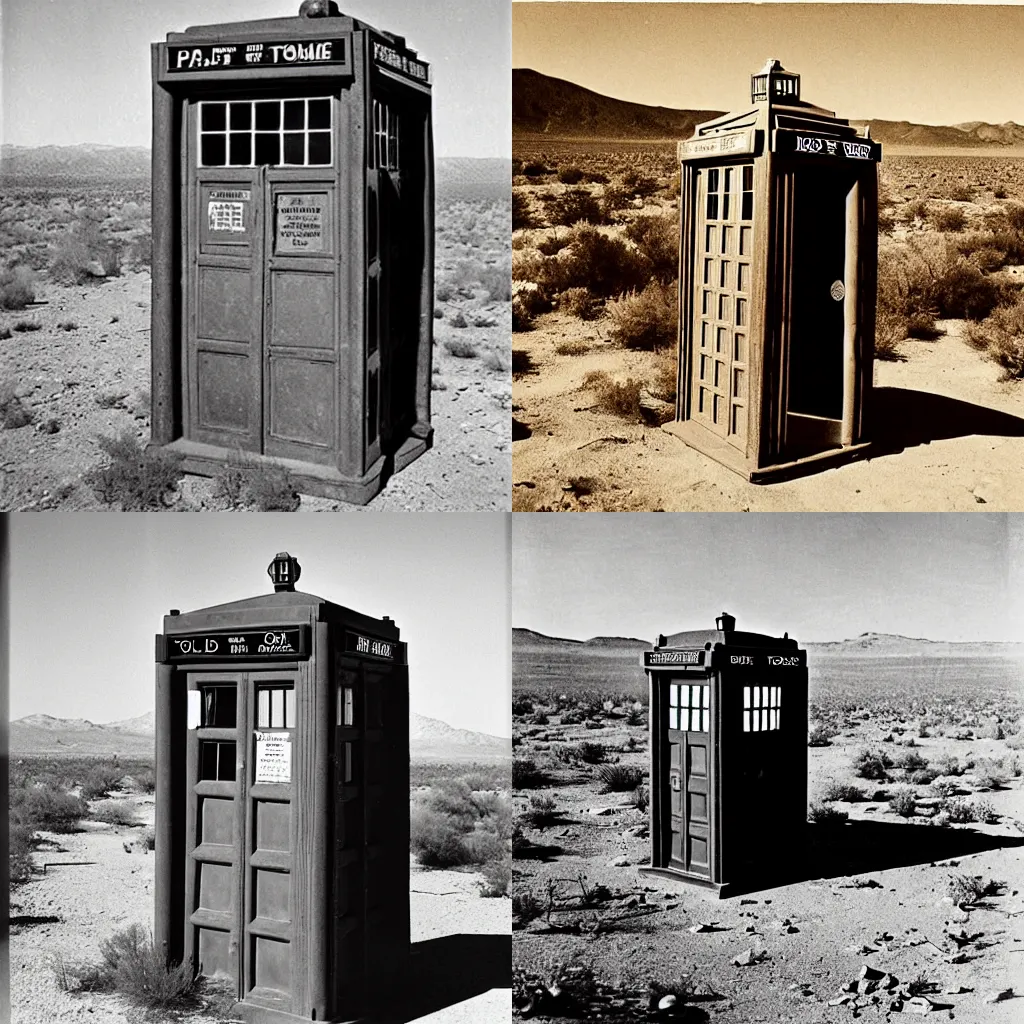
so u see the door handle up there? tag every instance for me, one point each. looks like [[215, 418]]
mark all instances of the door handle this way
[[838, 291], [675, 782]]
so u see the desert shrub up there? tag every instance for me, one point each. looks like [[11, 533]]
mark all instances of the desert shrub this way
[[911, 761], [619, 778], [611, 396], [819, 735], [574, 347], [114, 812], [136, 477], [140, 252], [572, 717], [522, 213], [1012, 216], [915, 210], [248, 483], [49, 808], [999, 192], [20, 838], [138, 970], [578, 302], [826, 814], [871, 764], [525, 908], [535, 169], [584, 752], [526, 774], [922, 325], [903, 803], [74, 255], [100, 780], [959, 811], [570, 175], [961, 193], [890, 330], [459, 320], [542, 810], [1001, 335], [966, 890], [641, 798], [497, 282], [634, 716], [639, 184], [522, 706], [607, 266], [841, 791], [658, 239], [948, 218], [460, 348], [923, 776], [497, 877], [25, 326], [17, 287], [645, 320], [552, 245], [947, 764], [572, 206], [14, 413]]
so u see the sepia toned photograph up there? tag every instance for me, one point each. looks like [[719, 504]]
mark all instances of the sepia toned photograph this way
[[767, 768], [254, 256], [259, 771], [767, 257]]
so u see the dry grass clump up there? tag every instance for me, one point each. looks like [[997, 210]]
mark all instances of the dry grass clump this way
[[843, 792], [657, 238], [1001, 336], [647, 319], [135, 477], [948, 218], [619, 778], [826, 814], [14, 413], [574, 205], [114, 812], [579, 302], [574, 347], [618, 399]]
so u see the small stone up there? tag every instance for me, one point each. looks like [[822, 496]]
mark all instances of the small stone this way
[[998, 996], [667, 1002], [619, 862]]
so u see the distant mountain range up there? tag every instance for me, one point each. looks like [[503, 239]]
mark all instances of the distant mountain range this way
[[90, 161], [551, 107], [133, 737]]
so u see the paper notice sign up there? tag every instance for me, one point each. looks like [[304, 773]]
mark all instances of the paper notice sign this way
[[273, 757], [226, 216]]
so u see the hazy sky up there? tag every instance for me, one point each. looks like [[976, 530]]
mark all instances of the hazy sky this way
[[815, 576], [932, 64], [89, 592], [79, 70]]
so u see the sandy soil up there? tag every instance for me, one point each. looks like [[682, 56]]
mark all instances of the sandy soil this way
[[64, 375], [956, 430], [881, 905], [92, 887]]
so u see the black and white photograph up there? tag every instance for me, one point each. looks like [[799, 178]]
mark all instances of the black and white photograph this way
[[767, 257], [259, 771], [768, 768], [255, 256]]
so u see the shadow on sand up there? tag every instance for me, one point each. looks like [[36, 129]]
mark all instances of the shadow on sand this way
[[449, 970], [901, 418]]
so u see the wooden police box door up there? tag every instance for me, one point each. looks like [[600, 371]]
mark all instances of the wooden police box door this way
[[261, 290], [238, 891], [814, 403], [689, 723], [721, 319]]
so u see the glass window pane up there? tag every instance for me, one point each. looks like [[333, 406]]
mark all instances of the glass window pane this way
[[207, 760], [713, 179], [726, 239], [742, 277], [319, 114], [725, 206], [705, 694], [241, 149], [348, 762], [263, 712], [747, 212], [755, 721], [349, 714], [268, 116], [673, 696], [746, 237], [728, 179], [741, 312], [268, 149], [294, 115], [289, 708], [212, 150], [226, 762], [319, 147], [213, 117], [277, 709], [746, 721], [294, 148], [241, 115], [707, 270], [723, 275], [748, 176], [746, 696], [704, 721], [712, 206]]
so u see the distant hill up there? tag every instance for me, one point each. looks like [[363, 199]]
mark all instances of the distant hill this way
[[543, 105], [612, 665], [133, 737], [93, 162]]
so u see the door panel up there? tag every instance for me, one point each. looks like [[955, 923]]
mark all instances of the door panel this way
[[688, 737]]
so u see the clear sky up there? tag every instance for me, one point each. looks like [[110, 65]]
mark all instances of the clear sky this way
[[816, 576], [89, 592], [78, 71], [931, 64]]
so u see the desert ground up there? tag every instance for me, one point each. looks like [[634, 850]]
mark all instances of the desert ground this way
[[594, 334], [75, 366], [93, 878], [906, 894]]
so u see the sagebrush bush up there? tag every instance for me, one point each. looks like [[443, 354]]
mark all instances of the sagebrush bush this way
[[136, 477], [871, 764], [522, 212], [578, 302], [819, 735], [570, 175], [826, 814], [114, 812], [645, 320], [903, 803], [614, 397], [247, 483], [584, 752], [948, 218], [966, 890], [47, 807], [843, 792], [526, 774], [572, 206], [100, 780], [657, 238], [497, 877], [1001, 335], [959, 811], [604, 265], [910, 761], [542, 810], [619, 778], [17, 287], [138, 970], [552, 245], [75, 251], [890, 330], [641, 797]]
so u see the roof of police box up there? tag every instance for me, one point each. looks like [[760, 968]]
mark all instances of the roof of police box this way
[[730, 638]]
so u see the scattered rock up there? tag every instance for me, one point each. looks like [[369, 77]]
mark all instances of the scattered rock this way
[[667, 1002], [619, 862], [998, 996], [748, 958]]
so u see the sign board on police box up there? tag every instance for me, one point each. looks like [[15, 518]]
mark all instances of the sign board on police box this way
[[234, 56]]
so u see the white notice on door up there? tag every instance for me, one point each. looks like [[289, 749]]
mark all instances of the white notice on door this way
[[226, 216], [273, 757]]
